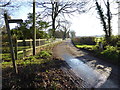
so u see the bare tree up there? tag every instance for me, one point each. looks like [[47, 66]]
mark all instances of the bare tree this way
[[65, 28], [72, 34], [7, 6], [4, 4], [102, 17], [55, 9]]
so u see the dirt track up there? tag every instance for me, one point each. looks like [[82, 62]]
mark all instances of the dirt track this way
[[105, 75]]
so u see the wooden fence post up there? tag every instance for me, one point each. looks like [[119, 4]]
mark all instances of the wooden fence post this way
[[39, 41], [24, 49], [31, 45], [34, 29], [16, 48], [10, 43]]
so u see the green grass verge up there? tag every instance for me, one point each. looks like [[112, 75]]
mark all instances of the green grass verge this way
[[37, 59], [110, 53], [85, 46]]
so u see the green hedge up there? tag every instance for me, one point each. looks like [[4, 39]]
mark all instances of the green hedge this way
[[84, 40]]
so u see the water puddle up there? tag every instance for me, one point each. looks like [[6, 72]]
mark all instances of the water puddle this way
[[94, 77]]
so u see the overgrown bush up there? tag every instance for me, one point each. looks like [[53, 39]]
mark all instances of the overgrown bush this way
[[111, 53], [118, 44], [114, 40]]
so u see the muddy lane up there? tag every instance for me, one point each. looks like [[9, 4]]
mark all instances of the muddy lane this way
[[94, 72]]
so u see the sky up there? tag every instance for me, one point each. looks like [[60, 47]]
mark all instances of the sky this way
[[89, 24], [86, 24]]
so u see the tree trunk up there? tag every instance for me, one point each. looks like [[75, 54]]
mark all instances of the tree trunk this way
[[102, 17], [53, 27], [109, 19], [64, 34]]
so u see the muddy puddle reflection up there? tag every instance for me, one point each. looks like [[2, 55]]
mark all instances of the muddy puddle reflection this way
[[94, 75]]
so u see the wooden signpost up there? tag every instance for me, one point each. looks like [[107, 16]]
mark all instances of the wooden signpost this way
[[10, 38], [34, 29]]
